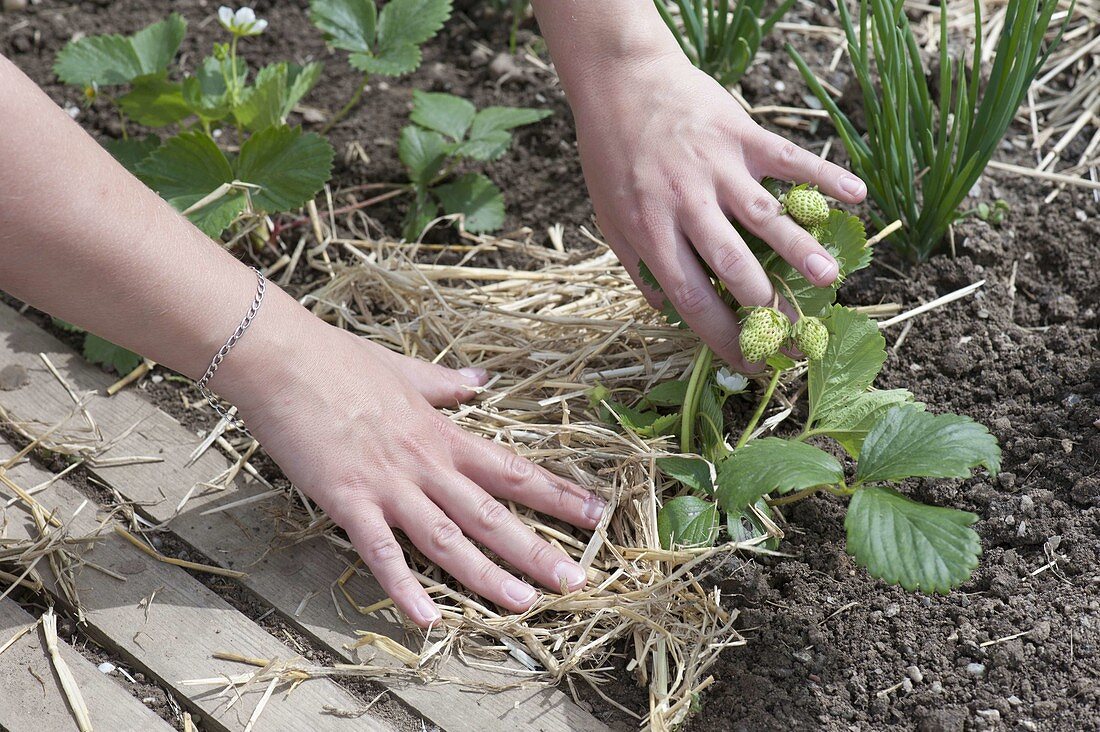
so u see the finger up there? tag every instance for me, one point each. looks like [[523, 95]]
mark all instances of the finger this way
[[442, 541], [729, 257], [696, 300], [780, 158], [508, 476], [374, 541], [752, 205], [632, 263], [489, 521], [441, 386]]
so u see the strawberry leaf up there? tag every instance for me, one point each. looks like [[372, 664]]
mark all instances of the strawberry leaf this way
[[186, 169], [392, 62], [131, 151], [907, 442], [444, 113], [694, 472], [108, 60], [668, 394], [476, 198], [502, 119], [852, 360], [906, 543], [100, 351], [154, 101], [289, 166], [687, 521], [410, 22], [849, 422], [347, 24], [770, 465], [423, 153]]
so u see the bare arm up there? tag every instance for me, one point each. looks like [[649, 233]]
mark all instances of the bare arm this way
[[670, 158], [349, 422]]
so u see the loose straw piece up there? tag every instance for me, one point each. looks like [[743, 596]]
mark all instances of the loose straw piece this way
[[208, 568], [949, 297], [64, 674]]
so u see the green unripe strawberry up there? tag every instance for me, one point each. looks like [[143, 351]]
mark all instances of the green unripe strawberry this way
[[806, 206], [811, 337], [763, 332]]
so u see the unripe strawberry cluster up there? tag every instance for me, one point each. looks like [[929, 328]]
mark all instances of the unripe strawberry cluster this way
[[765, 330]]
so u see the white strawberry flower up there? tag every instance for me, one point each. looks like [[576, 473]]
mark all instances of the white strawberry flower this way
[[731, 383], [243, 22]]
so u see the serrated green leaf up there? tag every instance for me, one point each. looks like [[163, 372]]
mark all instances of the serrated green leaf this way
[[909, 443], [393, 61], [410, 22], [712, 422], [270, 100], [502, 119], [476, 198], [107, 60], [844, 237], [444, 113], [421, 213], [262, 104], [648, 277], [903, 542], [423, 152], [154, 101], [205, 92], [131, 151], [770, 465], [668, 394], [695, 472], [346, 24], [687, 521], [744, 525], [489, 147], [852, 360], [290, 167], [100, 351], [187, 168], [850, 422]]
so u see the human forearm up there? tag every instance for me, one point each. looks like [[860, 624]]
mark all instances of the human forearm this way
[[84, 240]]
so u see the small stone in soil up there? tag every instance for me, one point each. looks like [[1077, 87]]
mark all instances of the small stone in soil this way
[[915, 674], [976, 669]]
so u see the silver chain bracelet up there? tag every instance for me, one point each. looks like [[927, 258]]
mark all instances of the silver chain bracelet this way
[[202, 383]]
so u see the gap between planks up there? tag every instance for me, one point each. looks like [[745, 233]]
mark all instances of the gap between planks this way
[[186, 623], [239, 539]]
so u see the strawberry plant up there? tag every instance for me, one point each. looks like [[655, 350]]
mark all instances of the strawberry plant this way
[[927, 143], [447, 131], [270, 167], [736, 485], [382, 43], [720, 39]]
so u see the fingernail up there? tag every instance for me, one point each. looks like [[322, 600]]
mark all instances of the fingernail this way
[[821, 267], [851, 185], [427, 611], [572, 573], [593, 508], [519, 592], [474, 373]]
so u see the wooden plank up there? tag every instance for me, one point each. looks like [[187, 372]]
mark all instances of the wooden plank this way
[[174, 639], [239, 538], [32, 696]]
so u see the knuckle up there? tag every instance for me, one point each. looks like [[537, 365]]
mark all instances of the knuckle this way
[[446, 536], [487, 573], [787, 154], [647, 222], [516, 469], [729, 262], [542, 554], [690, 299], [379, 550], [761, 209], [492, 515]]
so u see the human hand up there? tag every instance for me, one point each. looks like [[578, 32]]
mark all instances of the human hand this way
[[353, 425], [670, 158]]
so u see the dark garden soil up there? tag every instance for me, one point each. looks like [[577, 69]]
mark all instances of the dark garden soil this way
[[1017, 647]]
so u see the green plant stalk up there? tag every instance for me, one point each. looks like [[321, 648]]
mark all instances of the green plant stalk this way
[[347, 107], [764, 401], [700, 371]]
